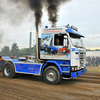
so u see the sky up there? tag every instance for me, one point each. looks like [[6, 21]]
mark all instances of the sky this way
[[16, 22]]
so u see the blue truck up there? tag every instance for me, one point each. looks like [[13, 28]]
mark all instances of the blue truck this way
[[52, 66]]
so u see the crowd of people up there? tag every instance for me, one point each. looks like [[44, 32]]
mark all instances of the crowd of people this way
[[93, 61], [26, 57]]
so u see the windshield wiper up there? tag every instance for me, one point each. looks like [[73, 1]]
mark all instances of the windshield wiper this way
[[81, 47], [75, 45], [78, 46]]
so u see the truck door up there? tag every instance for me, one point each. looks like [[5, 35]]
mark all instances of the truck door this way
[[61, 42]]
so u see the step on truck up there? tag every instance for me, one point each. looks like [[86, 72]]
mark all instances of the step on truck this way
[[53, 61]]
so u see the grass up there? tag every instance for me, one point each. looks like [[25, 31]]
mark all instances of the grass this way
[[0, 69], [93, 69]]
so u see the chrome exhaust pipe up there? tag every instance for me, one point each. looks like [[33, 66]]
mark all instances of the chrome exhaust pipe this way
[[37, 57]]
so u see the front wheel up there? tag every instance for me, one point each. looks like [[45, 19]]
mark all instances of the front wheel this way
[[51, 75]]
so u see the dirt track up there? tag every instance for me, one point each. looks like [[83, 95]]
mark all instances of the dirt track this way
[[27, 87]]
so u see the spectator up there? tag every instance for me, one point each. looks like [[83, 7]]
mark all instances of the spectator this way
[[97, 61], [89, 61], [93, 61]]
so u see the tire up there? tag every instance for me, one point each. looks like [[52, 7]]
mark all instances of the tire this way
[[8, 70], [51, 75]]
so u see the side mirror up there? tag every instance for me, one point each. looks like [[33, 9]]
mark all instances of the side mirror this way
[[65, 37], [65, 42]]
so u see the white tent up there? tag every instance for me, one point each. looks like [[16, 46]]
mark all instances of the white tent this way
[[93, 53]]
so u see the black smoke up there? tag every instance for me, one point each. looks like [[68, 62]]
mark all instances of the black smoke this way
[[33, 5], [36, 6], [15, 11], [53, 8]]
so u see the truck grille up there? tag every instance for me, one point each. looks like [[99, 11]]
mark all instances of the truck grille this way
[[81, 58]]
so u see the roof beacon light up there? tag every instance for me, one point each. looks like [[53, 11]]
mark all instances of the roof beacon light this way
[[46, 26]]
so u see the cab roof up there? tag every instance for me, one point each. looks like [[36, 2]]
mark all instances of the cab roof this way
[[70, 29]]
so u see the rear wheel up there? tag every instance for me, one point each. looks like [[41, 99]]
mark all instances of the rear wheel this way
[[8, 70], [51, 75]]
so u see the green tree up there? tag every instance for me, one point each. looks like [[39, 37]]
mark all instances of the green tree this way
[[5, 51], [97, 50], [34, 49], [14, 49], [23, 52]]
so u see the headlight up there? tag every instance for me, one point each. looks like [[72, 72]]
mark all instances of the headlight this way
[[74, 68]]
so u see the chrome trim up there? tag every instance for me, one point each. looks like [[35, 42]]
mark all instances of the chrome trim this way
[[63, 65], [27, 62], [67, 78], [65, 71]]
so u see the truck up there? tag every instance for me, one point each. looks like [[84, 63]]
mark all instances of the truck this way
[[66, 60]]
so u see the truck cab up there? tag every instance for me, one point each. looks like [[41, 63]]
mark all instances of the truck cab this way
[[69, 52]]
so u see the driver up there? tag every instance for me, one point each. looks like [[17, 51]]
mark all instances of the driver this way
[[57, 41]]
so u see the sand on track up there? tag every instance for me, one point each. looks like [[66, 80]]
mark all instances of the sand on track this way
[[28, 87]]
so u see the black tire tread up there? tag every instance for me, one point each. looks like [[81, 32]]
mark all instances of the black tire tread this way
[[58, 73], [13, 74]]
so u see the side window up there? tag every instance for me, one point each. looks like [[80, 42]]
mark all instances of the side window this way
[[58, 39], [46, 39], [61, 40]]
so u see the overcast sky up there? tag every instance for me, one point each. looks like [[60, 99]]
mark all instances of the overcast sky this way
[[84, 14]]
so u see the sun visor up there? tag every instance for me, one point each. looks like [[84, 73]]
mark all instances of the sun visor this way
[[72, 31]]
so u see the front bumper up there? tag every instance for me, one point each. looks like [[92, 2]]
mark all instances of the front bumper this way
[[78, 73]]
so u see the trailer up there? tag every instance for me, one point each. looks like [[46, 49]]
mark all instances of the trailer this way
[[67, 62]]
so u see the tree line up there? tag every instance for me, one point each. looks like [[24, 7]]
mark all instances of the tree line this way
[[92, 50], [15, 51]]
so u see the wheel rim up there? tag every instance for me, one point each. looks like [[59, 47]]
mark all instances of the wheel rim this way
[[7, 71], [51, 75]]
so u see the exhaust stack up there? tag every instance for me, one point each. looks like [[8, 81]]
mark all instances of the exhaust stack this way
[[37, 51]]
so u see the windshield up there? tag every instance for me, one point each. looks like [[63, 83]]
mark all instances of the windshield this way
[[77, 42]]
